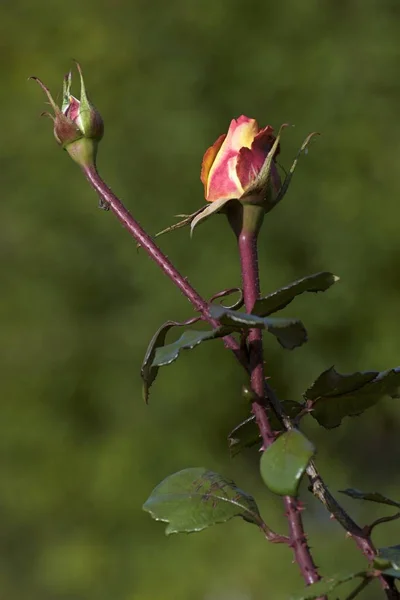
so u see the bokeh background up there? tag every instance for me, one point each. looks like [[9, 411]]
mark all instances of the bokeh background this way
[[79, 450]]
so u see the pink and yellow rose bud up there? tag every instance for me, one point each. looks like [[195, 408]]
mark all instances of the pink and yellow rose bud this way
[[235, 166], [240, 177], [78, 126]]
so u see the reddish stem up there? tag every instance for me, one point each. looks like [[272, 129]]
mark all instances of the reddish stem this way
[[248, 253], [140, 235], [247, 242]]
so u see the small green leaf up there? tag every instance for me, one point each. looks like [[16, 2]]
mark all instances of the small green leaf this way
[[196, 498], [388, 561], [290, 333], [327, 585], [284, 462], [148, 371], [335, 396], [158, 354], [319, 282], [190, 338], [222, 295], [371, 496], [246, 434]]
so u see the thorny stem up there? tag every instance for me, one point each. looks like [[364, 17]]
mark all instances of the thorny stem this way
[[361, 586], [247, 242], [142, 238], [319, 489], [362, 537]]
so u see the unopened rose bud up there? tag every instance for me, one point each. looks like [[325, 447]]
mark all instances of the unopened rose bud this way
[[240, 176], [234, 167], [78, 126]]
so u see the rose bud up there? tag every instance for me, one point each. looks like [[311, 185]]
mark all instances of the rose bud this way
[[240, 176], [78, 126], [233, 166]]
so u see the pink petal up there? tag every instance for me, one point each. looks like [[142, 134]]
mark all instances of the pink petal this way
[[72, 110], [223, 181], [251, 160], [208, 160]]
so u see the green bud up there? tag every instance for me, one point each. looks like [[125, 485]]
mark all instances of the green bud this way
[[78, 126]]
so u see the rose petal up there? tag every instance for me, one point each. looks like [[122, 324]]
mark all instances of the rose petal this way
[[223, 181], [241, 133], [208, 160], [248, 167], [72, 110], [251, 160]]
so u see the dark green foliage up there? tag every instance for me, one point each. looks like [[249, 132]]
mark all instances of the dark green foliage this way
[[370, 496], [334, 396], [388, 561], [290, 333], [319, 282], [158, 354], [246, 434]]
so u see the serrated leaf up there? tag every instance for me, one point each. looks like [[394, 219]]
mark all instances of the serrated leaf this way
[[283, 464], [335, 396], [319, 282], [290, 333], [327, 585], [158, 354], [190, 338], [196, 498], [388, 561], [246, 434], [370, 496]]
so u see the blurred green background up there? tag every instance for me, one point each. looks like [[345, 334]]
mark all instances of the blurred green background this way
[[79, 450]]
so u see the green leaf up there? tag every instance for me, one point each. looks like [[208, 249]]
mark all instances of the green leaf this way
[[165, 355], [284, 462], [327, 585], [334, 396], [246, 434], [148, 371], [158, 354], [319, 282], [388, 561], [196, 498], [290, 333], [371, 496]]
